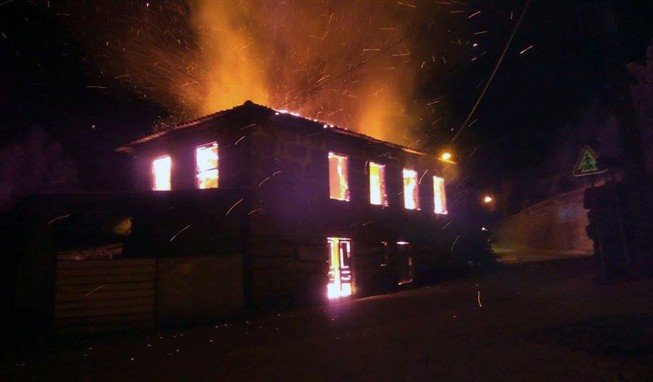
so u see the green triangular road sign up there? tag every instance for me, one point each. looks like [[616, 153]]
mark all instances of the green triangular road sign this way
[[587, 163]]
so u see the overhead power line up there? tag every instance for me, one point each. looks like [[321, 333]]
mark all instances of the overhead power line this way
[[494, 72]]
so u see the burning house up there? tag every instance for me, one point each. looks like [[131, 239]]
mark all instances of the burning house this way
[[246, 209], [329, 212]]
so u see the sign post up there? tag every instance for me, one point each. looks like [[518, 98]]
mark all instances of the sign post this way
[[587, 163]]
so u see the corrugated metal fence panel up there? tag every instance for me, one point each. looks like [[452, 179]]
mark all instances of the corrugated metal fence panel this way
[[102, 295]]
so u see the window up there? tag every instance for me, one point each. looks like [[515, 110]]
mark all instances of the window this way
[[340, 277], [377, 185], [439, 196], [338, 177], [161, 168], [411, 191], [206, 158]]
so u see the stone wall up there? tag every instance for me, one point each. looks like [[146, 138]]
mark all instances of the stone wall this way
[[553, 227]]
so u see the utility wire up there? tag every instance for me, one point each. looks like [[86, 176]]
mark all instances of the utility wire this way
[[494, 72]]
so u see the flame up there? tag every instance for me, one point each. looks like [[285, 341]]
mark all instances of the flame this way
[[411, 196], [161, 169], [377, 184], [356, 64], [338, 177], [340, 276]]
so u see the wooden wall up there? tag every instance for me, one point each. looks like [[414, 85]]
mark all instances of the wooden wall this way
[[101, 295]]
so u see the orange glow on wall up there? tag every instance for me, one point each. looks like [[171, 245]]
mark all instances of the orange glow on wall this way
[[206, 159], [439, 196], [161, 169], [377, 185], [411, 190], [338, 177], [340, 276]]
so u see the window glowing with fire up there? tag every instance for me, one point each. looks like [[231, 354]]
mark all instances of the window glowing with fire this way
[[377, 185], [340, 276], [338, 177], [161, 168], [439, 196], [411, 190], [206, 158]]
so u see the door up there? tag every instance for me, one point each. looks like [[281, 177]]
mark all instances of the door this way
[[340, 271], [404, 262]]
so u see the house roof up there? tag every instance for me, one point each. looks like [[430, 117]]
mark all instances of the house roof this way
[[262, 109]]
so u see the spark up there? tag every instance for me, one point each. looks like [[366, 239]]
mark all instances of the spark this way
[[480, 32], [478, 299], [422, 177], [319, 37], [95, 290], [179, 232], [254, 211], [407, 5], [238, 141], [59, 218], [334, 112], [454, 243], [96, 87], [474, 14], [234, 206], [263, 181], [526, 50]]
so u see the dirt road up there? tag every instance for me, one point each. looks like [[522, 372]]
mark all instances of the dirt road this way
[[538, 321]]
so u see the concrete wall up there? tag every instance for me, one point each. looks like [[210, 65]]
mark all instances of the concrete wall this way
[[552, 228]]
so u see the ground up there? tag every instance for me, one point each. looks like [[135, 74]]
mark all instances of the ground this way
[[535, 321]]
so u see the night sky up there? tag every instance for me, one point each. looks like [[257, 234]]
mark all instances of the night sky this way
[[49, 82]]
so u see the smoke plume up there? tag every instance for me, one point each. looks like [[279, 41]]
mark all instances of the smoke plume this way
[[358, 64]]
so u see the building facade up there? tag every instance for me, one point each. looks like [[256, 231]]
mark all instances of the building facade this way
[[329, 212]]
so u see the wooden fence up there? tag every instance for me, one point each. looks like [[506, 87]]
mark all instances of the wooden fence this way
[[101, 295]]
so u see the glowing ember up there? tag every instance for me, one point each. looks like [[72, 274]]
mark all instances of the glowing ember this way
[[161, 169], [411, 190]]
